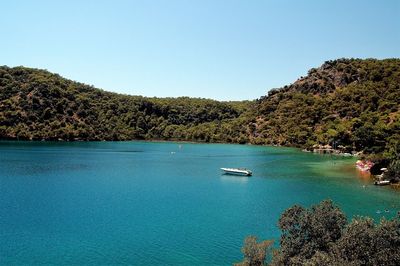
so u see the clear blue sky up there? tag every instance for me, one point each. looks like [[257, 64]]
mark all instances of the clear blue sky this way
[[226, 50]]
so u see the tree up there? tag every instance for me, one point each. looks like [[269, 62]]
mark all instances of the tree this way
[[306, 231], [254, 253], [320, 236], [365, 243]]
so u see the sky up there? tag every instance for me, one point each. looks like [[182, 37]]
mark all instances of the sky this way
[[223, 50]]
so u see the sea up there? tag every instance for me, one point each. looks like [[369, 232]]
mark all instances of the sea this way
[[163, 203]]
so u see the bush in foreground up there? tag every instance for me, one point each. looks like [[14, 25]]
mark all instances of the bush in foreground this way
[[320, 235], [254, 252]]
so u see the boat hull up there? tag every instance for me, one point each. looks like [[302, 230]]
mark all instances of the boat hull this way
[[382, 183], [233, 171]]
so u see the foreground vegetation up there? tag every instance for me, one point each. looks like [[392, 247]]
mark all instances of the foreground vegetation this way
[[321, 235], [349, 104]]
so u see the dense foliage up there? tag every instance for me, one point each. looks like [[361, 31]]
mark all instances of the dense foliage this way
[[254, 252], [36, 104], [351, 104], [393, 171], [320, 235], [348, 103]]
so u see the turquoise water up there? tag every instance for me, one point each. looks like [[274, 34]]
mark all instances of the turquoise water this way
[[142, 203]]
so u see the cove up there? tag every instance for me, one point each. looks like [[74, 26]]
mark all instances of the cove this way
[[153, 203]]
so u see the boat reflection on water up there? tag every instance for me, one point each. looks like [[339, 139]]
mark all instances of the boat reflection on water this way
[[235, 179]]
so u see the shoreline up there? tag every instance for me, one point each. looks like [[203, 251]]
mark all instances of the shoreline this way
[[145, 140], [302, 149], [394, 186]]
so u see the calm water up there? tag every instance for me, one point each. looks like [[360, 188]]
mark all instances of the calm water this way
[[144, 203]]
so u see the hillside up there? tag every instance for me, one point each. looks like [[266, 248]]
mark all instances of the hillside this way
[[36, 104], [352, 104]]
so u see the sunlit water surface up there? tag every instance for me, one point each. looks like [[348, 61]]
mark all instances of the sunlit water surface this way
[[147, 203]]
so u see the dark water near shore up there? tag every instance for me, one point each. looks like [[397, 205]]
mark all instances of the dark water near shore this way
[[142, 203]]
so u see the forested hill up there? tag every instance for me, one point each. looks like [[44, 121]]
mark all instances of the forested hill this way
[[353, 104], [36, 104]]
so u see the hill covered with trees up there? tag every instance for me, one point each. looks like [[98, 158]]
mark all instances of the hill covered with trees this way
[[352, 104], [36, 104]]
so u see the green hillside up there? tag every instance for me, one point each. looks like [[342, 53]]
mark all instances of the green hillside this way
[[353, 104], [36, 104], [348, 103]]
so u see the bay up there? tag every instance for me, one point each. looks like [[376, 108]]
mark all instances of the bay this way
[[155, 203]]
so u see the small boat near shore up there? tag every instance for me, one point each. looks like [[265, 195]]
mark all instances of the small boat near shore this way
[[237, 171], [379, 179], [381, 182]]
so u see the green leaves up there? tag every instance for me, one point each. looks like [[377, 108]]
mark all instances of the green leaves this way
[[35, 103], [360, 110], [320, 235], [254, 252], [349, 102], [306, 231]]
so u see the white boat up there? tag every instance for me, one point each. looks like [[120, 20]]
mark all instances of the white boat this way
[[237, 171], [382, 182]]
